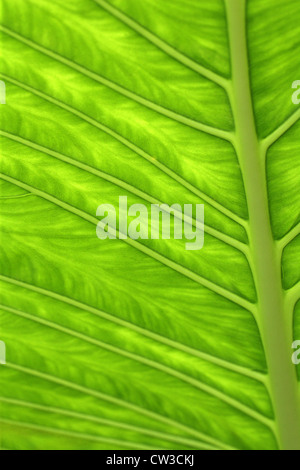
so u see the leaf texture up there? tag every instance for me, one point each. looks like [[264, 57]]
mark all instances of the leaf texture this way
[[122, 344]]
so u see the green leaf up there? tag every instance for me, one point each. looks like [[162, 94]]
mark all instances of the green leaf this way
[[122, 344]]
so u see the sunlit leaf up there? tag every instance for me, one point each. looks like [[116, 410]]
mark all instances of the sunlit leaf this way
[[121, 344]]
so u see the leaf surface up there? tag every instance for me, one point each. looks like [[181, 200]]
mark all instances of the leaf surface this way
[[144, 345]]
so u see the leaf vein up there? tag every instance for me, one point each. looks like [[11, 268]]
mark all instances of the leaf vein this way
[[222, 134], [163, 45], [118, 424], [139, 330], [195, 383], [227, 212], [221, 291]]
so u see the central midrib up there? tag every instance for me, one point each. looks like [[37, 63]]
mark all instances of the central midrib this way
[[266, 260]]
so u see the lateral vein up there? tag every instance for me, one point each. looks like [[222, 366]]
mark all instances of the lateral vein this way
[[139, 330], [268, 141], [227, 212], [163, 45], [107, 398], [244, 303], [195, 383], [74, 435], [288, 237], [222, 134], [128, 187], [116, 424]]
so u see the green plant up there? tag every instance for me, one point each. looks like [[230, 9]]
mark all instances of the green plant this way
[[140, 344]]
